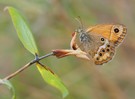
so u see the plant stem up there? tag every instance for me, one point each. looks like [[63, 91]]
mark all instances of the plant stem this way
[[37, 59], [47, 55], [18, 71]]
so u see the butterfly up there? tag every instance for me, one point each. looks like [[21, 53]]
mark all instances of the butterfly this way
[[101, 41]]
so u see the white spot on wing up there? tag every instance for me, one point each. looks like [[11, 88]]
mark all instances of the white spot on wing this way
[[103, 46]]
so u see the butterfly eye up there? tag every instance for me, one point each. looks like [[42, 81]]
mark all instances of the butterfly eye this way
[[116, 30]]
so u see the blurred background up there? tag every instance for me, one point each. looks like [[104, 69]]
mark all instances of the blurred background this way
[[52, 23]]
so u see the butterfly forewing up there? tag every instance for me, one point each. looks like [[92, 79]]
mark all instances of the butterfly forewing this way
[[114, 33]]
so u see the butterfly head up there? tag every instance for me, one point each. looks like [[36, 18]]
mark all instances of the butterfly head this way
[[84, 37]]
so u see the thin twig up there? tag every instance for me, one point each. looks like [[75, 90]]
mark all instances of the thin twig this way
[[47, 55], [37, 59], [18, 71]]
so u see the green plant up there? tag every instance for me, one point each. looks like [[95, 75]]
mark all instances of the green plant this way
[[26, 37]]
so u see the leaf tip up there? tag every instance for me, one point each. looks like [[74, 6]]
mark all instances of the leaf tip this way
[[65, 94]]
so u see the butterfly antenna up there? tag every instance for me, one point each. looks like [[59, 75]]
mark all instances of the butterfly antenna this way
[[78, 19]]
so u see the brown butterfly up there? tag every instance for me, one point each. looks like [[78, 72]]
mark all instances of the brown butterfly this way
[[100, 41]]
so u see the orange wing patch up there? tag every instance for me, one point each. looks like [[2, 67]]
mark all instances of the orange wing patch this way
[[114, 33], [103, 30]]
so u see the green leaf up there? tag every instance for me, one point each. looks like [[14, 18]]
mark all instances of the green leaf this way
[[10, 86], [52, 79], [23, 31]]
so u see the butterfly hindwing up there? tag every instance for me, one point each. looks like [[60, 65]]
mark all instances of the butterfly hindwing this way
[[105, 53]]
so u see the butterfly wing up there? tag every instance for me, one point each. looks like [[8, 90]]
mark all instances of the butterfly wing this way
[[88, 42], [104, 53], [99, 49], [96, 47], [114, 33]]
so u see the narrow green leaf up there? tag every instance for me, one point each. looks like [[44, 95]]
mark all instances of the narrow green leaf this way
[[10, 86], [23, 31], [52, 79]]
